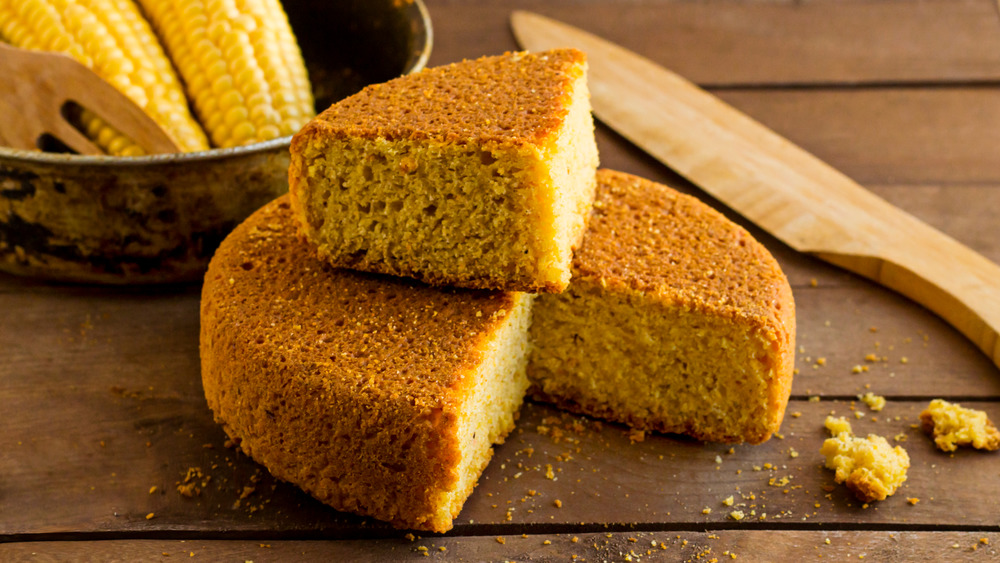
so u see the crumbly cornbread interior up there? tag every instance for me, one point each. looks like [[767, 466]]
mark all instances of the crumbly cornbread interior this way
[[653, 366], [870, 467], [952, 425], [477, 174], [676, 320], [488, 412]]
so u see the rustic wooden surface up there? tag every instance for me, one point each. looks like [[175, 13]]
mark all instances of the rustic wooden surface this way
[[102, 398]]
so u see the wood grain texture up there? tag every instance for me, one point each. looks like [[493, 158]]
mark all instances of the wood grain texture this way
[[97, 478], [888, 135], [102, 400], [103, 393], [724, 43], [662, 545]]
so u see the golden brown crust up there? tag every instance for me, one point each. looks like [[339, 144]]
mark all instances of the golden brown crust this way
[[512, 99], [645, 237], [346, 384]]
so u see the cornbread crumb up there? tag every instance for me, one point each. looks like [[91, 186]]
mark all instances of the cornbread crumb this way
[[736, 515], [728, 501], [838, 425], [501, 540], [952, 425], [192, 484], [150, 516], [636, 435], [913, 500], [874, 402], [871, 468]]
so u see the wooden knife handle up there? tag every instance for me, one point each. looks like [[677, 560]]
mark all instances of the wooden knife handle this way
[[940, 273]]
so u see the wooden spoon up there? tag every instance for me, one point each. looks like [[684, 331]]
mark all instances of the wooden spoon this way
[[37, 86]]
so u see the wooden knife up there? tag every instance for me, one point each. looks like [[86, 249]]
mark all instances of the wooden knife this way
[[788, 192]]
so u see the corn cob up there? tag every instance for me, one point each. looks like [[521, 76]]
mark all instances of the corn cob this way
[[111, 38], [242, 68]]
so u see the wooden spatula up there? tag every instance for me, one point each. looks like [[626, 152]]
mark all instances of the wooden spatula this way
[[36, 87]]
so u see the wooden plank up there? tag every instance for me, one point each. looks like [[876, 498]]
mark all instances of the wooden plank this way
[[910, 352], [661, 545], [663, 479], [103, 398], [890, 135], [872, 135], [720, 43], [93, 375], [84, 447]]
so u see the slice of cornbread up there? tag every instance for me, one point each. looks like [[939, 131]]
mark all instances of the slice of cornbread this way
[[476, 174], [676, 320], [376, 395], [952, 425], [870, 467]]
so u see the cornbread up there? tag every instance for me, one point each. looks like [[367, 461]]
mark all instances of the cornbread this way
[[676, 320], [952, 425], [871, 468], [378, 396], [476, 174]]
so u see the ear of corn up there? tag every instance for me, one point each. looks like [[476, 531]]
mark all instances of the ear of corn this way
[[242, 68], [112, 38]]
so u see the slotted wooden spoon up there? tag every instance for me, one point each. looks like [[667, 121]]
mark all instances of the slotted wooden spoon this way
[[36, 88]]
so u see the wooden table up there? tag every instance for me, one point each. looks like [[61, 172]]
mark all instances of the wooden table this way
[[103, 413]]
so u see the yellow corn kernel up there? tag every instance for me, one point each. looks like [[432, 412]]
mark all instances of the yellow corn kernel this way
[[242, 68]]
